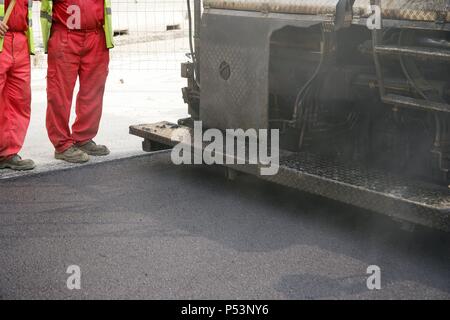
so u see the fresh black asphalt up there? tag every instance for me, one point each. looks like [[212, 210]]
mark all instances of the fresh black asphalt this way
[[144, 228]]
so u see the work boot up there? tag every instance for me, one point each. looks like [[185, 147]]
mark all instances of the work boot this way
[[16, 163], [93, 149], [72, 155]]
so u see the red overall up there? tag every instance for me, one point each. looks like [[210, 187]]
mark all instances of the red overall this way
[[76, 54], [15, 91]]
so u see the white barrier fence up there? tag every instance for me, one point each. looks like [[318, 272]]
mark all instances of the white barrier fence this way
[[149, 34]]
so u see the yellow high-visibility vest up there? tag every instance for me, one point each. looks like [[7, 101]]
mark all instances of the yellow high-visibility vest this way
[[29, 32], [46, 23]]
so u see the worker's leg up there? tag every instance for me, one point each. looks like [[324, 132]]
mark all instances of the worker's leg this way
[[5, 65], [93, 74], [15, 94], [63, 64]]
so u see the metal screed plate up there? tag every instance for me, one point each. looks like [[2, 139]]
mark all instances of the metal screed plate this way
[[352, 183]]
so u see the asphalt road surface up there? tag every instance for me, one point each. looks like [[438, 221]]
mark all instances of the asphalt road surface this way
[[143, 228]]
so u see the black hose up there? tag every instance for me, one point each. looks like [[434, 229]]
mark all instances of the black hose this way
[[303, 90], [191, 45], [413, 76]]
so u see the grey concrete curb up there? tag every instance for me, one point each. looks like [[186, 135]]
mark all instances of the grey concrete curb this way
[[7, 175]]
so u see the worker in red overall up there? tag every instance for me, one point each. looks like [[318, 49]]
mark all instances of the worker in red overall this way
[[16, 44], [78, 45]]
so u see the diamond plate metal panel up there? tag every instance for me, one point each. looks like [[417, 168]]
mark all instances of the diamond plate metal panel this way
[[237, 98], [242, 81]]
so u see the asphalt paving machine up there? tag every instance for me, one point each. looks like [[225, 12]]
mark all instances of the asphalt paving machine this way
[[358, 89]]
